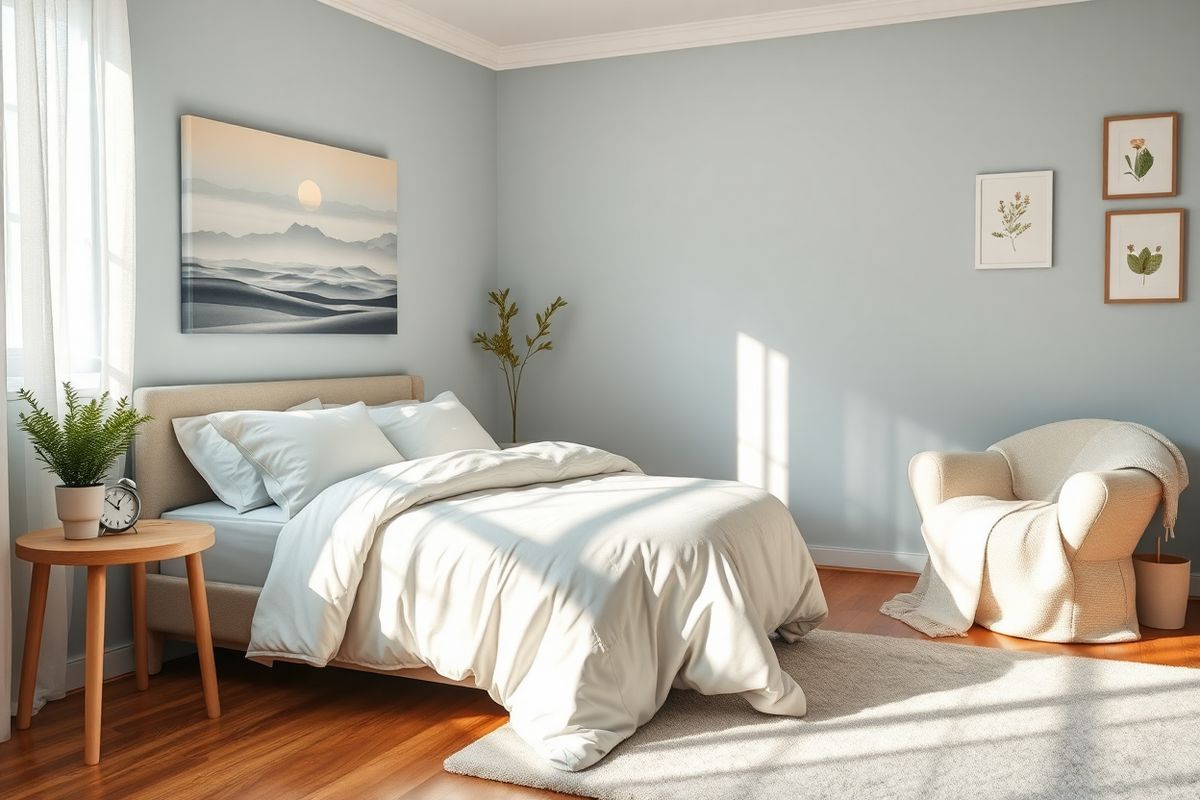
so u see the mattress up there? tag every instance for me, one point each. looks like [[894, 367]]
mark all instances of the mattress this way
[[244, 547]]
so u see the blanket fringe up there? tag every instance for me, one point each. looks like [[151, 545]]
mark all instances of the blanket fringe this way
[[904, 608]]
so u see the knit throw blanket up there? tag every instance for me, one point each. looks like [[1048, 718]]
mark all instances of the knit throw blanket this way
[[1126, 445], [946, 596]]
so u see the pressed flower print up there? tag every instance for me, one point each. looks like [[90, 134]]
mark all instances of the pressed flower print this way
[[1011, 216]]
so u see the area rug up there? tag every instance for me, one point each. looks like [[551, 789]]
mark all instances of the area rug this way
[[896, 718]]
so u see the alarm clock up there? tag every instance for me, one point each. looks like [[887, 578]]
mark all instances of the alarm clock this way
[[122, 507]]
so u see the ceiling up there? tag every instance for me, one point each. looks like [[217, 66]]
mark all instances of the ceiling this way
[[508, 34], [519, 22]]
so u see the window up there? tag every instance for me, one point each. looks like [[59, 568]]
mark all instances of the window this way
[[61, 321]]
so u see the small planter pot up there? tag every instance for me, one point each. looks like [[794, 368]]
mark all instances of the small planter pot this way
[[1162, 590], [79, 509]]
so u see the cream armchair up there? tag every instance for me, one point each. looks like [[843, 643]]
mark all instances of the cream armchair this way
[[1083, 591]]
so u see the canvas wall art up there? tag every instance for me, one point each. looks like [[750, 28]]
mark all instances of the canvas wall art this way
[[1014, 220], [282, 235], [1145, 258]]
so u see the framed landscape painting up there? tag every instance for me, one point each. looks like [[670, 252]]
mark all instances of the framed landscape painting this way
[[1145, 259], [1141, 156], [1014, 220], [282, 235]]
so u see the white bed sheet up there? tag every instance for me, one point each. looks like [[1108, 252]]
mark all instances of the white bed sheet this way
[[244, 547]]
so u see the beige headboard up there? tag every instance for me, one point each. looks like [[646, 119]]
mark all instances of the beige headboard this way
[[166, 479]]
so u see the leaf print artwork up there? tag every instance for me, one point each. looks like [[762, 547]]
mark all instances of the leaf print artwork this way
[[1010, 216], [1144, 263], [1142, 161]]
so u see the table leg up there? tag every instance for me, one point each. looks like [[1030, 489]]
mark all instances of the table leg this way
[[204, 648], [93, 668], [38, 586], [140, 658]]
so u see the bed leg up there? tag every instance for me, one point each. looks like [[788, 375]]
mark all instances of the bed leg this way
[[156, 642]]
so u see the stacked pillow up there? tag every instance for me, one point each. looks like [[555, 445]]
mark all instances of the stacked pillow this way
[[232, 478], [253, 458], [442, 425]]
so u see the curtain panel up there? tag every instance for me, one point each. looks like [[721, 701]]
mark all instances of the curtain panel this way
[[69, 246]]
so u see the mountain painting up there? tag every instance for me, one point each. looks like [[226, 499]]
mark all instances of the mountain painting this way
[[281, 235]]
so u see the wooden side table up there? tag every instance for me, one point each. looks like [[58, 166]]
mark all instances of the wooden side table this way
[[155, 540]]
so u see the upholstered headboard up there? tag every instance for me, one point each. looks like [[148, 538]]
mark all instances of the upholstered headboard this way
[[164, 476]]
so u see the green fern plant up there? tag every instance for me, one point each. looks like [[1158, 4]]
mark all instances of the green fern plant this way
[[83, 447], [500, 344]]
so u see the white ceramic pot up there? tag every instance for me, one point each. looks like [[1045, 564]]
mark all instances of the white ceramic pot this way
[[79, 508], [1162, 590]]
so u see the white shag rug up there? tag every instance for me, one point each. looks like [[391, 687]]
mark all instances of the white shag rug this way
[[896, 718]]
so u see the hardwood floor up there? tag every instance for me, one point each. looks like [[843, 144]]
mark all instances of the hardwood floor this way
[[296, 732], [854, 599]]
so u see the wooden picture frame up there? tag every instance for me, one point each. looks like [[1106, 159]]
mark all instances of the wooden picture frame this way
[[1159, 232], [1129, 140]]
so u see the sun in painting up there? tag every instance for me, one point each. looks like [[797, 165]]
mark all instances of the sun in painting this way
[[309, 195]]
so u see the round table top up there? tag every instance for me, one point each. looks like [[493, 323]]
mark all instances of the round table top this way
[[156, 539]]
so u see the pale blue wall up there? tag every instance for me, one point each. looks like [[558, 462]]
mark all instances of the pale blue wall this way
[[307, 70], [301, 68], [817, 193], [814, 193]]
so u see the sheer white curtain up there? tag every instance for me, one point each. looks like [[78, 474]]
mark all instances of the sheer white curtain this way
[[68, 216], [6, 681]]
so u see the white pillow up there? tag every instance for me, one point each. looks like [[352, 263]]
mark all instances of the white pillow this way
[[233, 479], [301, 453], [429, 429], [381, 405]]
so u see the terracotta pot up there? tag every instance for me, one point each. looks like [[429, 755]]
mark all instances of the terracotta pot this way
[[1162, 590], [79, 509]]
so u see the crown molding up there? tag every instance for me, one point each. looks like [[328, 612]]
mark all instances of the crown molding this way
[[401, 18], [754, 27], [418, 25]]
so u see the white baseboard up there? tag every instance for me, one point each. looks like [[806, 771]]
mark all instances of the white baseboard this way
[[857, 558], [117, 661]]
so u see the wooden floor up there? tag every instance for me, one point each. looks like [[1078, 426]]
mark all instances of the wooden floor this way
[[295, 732]]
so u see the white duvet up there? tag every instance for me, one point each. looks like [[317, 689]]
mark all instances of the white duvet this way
[[571, 587]]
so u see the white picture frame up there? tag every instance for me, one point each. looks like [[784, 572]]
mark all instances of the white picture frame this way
[[1014, 220]]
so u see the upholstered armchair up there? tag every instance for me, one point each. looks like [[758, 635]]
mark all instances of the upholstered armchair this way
[[1083, 589]]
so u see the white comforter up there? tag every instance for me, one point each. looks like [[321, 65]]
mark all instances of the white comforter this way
[[576, 600]]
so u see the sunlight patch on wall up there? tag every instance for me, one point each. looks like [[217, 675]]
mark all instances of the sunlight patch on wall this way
[[762, 416]]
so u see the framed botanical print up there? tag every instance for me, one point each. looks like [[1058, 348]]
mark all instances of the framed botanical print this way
[[1014, 220], [1141, 158], [1145, 260]]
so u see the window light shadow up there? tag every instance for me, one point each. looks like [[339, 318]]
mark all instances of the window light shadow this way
[[762, 416]]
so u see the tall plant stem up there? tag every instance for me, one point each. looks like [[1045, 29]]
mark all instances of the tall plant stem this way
[[515, 388], [512, 398]]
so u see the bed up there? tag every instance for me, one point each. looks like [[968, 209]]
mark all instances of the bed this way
[[558, 577], [167, 482]]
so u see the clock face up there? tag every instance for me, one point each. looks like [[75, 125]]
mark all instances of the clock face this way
[[121, 509]]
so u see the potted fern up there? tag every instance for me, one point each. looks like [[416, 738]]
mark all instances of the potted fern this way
[[80, 450], [512, 359]]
